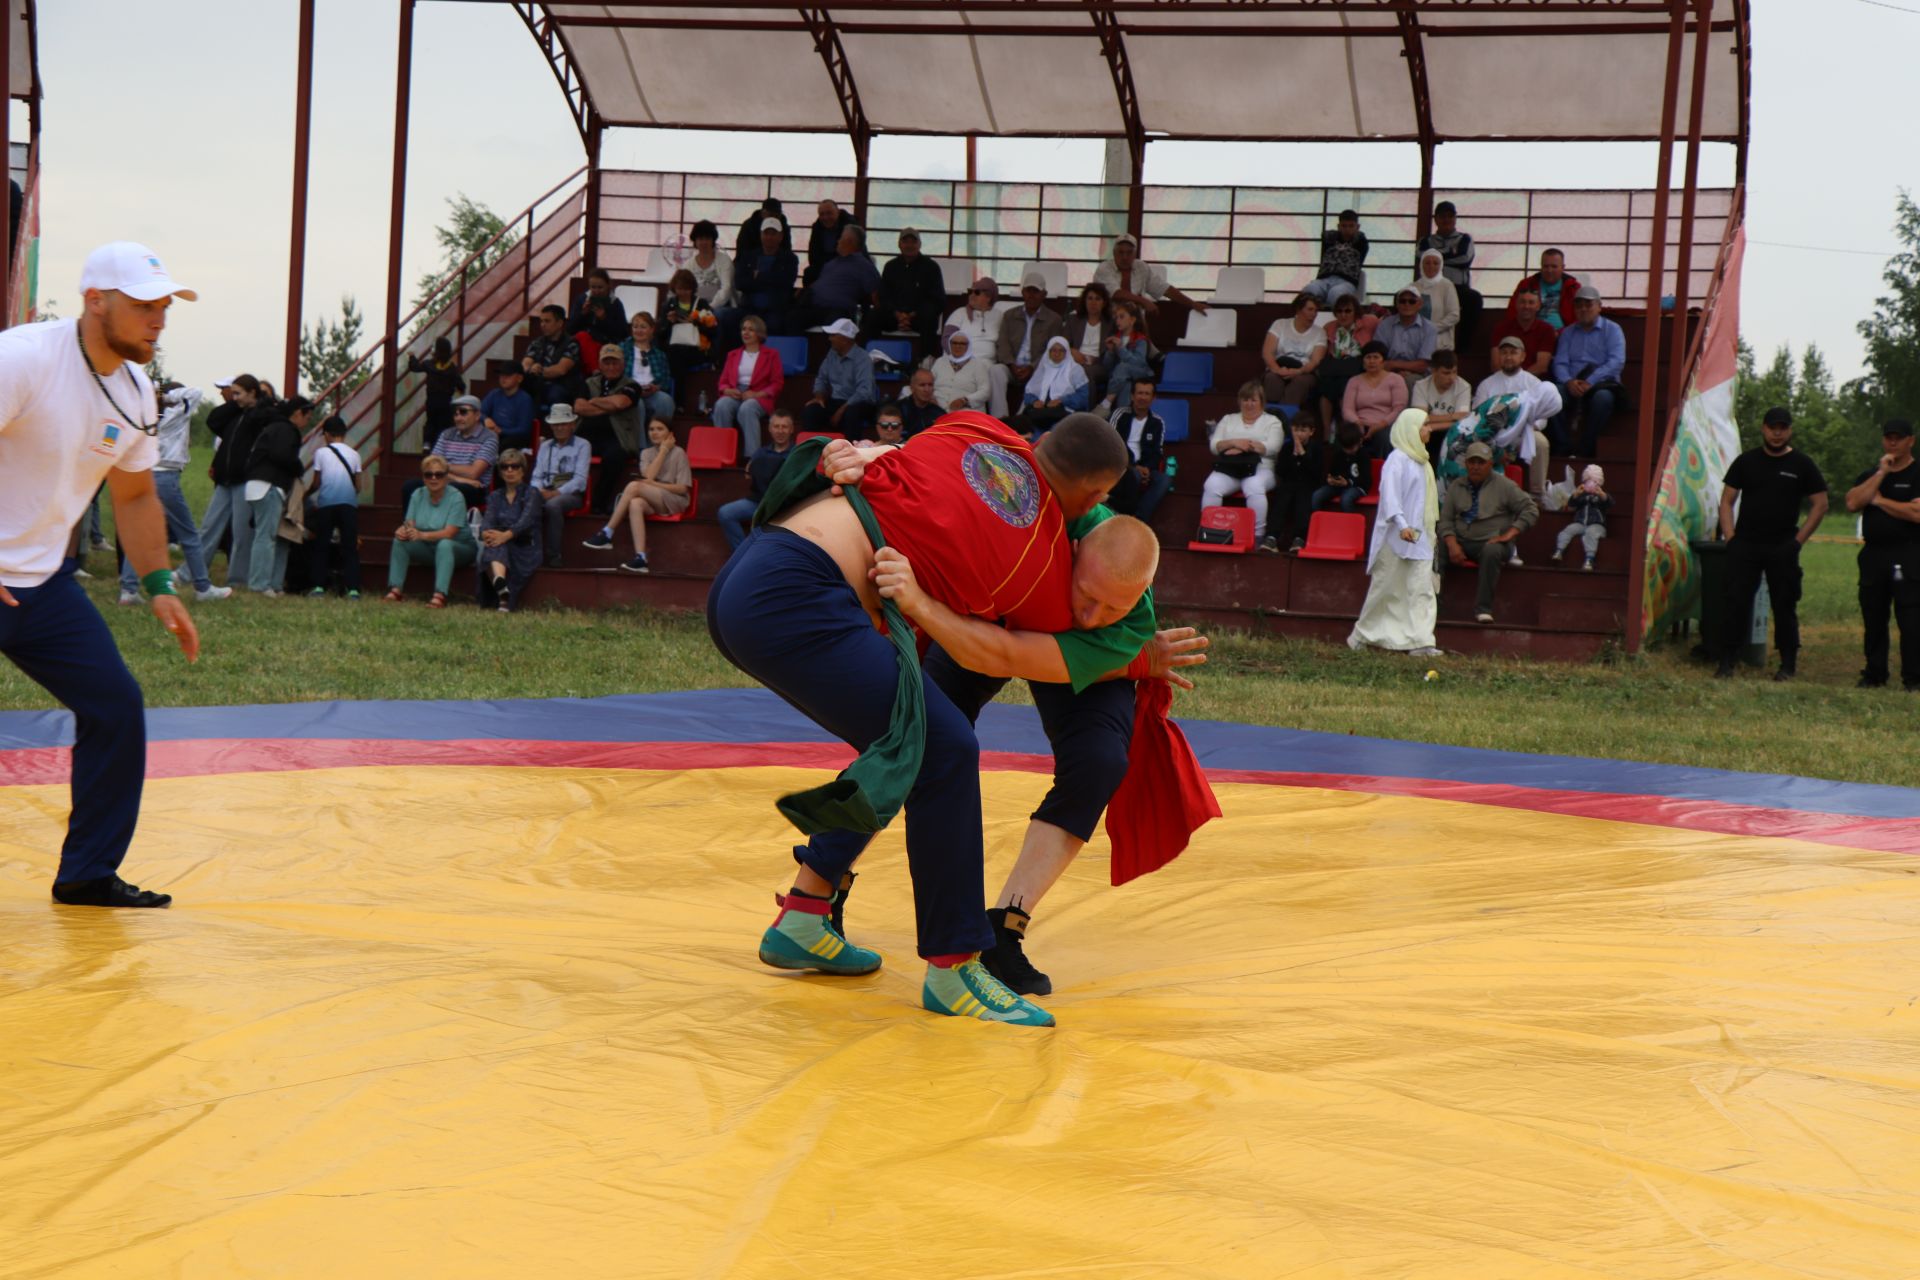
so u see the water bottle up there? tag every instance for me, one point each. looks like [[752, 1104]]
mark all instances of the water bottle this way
[[706, 406], [1173, 469]]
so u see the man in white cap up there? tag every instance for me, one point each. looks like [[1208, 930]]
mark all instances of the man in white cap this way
[[844, 395], [76, 409], [763, 282], [1024, 334], [1127, 279]]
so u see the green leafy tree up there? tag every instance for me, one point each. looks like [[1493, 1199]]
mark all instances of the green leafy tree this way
[[469, 226], [1754, 393], [328, 349], [1891, 386]]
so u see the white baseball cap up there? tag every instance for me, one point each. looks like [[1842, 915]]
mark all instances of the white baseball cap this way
[[843, 329], [132, 269]]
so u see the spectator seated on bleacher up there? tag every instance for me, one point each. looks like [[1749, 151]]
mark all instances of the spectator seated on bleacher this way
[[1482, 514], [1587, 509], [1537, 337], [1515, 431], [1348, 332], [1142, 487], [468, 449], [763, 281], [1126, 278], [1024, 334], [889, 428], [763, 464], [665, 487], [509, 537], [1131, 356], [433, 531], [747, 242], [609, 417], [1292, 352], [1299, 472], [1088, 327], [1244, 448], [979, 318], [920, 408], [507, 411], [552, 361], [443, 384], [844, 393], [1409, 337], [750, 384], [1343, 260], [1456, 251], [960, 379], [597, 313], [913, 293], [560, 474], [1555, 287], [823, 238], [1374, 399], [1587, 364], [1349, 471], [1057, 388], [712, 268], [690, 325], [846, 282], [1444, 396], [1440, 301], [647, 366]]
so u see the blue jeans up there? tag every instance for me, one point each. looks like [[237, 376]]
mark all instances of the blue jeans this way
[[736, 518], [59, 641], [227, 512], [781, 612], [746, 415], [1349, 497], [267, 560], [658, 404], [180, 529]]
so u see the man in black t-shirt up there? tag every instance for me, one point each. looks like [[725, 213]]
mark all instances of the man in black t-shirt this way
[[1769, 482], [1888, 500]]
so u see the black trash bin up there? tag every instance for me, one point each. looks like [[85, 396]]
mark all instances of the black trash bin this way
[[1712, 555]]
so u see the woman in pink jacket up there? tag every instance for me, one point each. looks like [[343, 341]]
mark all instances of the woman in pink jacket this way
[[750, 383], [1375, 398]]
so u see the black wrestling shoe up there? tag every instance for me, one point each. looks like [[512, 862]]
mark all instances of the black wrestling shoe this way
[[838, 912], [108, 891], [1007, 959]]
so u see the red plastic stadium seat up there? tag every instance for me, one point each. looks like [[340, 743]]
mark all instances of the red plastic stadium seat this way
[[586, 495], [1373, 491], [1518, 475], [805, 436], [712, 448], [1237, 519], [1335, 535], [693, 506]]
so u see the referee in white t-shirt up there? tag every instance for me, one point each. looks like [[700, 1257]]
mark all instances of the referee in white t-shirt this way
[[76, 409]]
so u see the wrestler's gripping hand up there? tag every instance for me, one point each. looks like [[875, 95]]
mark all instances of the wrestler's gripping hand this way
[[1172, 649], [843, 463], [174, 617], [894, 577]]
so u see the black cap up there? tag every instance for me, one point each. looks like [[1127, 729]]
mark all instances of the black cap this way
[[1777, 417], [1897, 427], [296, 404], [1348, 215], [1445, 206]]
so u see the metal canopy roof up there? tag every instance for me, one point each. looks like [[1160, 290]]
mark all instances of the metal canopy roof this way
[[1307, 70], [22, 72]]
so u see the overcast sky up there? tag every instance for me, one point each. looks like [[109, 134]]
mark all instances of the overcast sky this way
[[177, 132]]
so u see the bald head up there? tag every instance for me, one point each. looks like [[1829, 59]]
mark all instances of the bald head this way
[[1082, 457], [1112, 568]]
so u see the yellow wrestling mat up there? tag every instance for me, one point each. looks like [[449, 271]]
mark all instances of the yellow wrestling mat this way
[[498, 1022]]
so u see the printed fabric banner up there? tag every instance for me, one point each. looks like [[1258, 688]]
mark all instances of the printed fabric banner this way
[[22, 296], [1686, 505]]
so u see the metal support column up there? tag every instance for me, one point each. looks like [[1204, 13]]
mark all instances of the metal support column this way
[[595, 131], [1414, 51], [402, 96], [297, 247], [1677, 350]]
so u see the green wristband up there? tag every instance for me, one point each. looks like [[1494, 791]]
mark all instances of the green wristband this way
[[159, 583]]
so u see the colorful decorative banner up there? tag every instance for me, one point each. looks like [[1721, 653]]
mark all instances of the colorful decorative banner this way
[[23, 295], [1686, 506]]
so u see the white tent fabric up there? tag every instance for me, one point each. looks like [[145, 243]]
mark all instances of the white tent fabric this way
[[923, 69]]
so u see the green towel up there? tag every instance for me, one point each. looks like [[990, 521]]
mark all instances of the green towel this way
[[871, 790]]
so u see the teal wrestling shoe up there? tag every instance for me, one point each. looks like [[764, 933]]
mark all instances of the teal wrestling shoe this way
[[969, 991], [801, 937]]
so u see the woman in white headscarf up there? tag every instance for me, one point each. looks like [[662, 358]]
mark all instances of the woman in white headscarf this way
[[1440, 300], [1058, 387], [1402, 602], [959, 380]]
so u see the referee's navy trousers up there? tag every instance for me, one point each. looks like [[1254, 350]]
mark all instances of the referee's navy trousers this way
[[781, 612], [59, 639]]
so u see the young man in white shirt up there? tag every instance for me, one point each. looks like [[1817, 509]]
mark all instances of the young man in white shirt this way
[[75, 410]]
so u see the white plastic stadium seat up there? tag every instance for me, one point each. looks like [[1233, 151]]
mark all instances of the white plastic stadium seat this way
[[956, 276], [637, 298], [1240, 286], [1220, 327], [1055, 272]]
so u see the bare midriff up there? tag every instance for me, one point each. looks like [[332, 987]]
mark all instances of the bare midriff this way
[[829, 523]]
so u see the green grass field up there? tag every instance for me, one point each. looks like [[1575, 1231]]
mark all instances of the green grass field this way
[[1662, 707]]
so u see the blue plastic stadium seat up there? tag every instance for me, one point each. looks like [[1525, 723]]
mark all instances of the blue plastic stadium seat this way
[[793, 353], [901, 352], [1174, 414], [1284, 412], [1187, 373]]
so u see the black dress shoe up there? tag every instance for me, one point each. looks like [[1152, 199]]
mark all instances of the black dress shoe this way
[[108, 891], [1868, 682], [1784, 674], [1724, 671]]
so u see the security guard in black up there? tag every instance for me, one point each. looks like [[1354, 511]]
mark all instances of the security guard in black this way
[[1770, 482], [1887, 497]]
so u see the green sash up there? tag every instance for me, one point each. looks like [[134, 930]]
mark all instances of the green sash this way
[[871, 790]]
